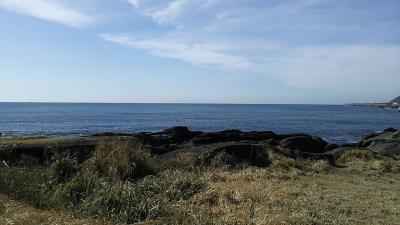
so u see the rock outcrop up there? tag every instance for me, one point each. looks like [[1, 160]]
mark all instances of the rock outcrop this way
[[386, 143], [230, 146], [304, 144]]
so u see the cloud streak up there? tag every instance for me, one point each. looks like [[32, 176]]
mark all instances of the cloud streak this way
[[134, 3], [169, 13], [195, 53], [50, 10]]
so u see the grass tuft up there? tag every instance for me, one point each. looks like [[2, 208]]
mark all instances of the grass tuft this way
[[121, 159]]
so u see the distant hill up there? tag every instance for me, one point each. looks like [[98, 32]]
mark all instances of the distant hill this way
[[395, 100]]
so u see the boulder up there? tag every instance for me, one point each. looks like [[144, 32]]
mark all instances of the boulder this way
[[269, 142], [148, 139], [304, 144], [284, 136], [330, 147], [258, 135], [178, 134], [350, 145], [232, 135], [390, 129], [215, 137], [385, 147], [236, 154], [378, 137]]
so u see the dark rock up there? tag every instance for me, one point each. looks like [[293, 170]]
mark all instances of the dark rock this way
[[179, 134], [110, 134], [257, 136], [309, 155], [232, 135], [148, 139], [284, 136], [304, 144], [372, 135], [179, 130], [330, 147], [351, 145], [254, 155], [390, 129], [154, 150], [269, 142], [385, 147], [215, 137]]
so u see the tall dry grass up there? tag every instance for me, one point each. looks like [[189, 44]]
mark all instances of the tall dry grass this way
[[365, 190], [122, 159]]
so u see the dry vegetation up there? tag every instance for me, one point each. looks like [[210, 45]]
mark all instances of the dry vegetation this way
[[121, 183]]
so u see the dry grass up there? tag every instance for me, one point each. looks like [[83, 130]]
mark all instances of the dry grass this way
[[251, 196], [365, 191], [16, 213], [122, 159], [298, 192]]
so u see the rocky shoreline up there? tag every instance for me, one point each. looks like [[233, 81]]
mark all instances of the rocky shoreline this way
[[248, 147]]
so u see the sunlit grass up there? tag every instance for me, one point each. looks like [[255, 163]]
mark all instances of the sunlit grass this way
[[364, 190]]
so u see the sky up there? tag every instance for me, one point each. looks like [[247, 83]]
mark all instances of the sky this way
[[200, 51]]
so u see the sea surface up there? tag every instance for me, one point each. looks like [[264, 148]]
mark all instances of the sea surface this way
[[334, 123]]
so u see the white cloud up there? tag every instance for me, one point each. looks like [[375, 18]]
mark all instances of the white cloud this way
[[134, 2], [51, 10], [195, 53], [345, 67], [169, 13]]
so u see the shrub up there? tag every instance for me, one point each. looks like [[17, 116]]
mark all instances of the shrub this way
[[73, 192], [121, 159], [25, 185], [63, 169]]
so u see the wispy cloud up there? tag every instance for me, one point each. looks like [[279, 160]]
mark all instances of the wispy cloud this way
[[168, 13], [195, 53], [134, 2], [50, 10]]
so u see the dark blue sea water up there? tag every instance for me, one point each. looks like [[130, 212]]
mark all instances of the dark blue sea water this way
[[333, 123]]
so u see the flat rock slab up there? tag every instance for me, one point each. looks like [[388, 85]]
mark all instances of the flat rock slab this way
[[385, 147]]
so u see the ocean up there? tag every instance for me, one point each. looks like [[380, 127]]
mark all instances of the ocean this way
[[334, 123]]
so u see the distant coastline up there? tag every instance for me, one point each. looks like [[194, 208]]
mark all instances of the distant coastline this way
[[394, 104]]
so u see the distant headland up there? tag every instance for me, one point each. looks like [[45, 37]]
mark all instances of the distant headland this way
[[393, 104]]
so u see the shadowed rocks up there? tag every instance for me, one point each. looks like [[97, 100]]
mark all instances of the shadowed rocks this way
[[234, 146], [236, 154], [304, 144]]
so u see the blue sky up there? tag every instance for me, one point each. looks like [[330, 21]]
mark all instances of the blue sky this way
[[207, 51]]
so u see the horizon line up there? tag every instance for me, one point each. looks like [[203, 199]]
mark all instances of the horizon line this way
[[181, 103]]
